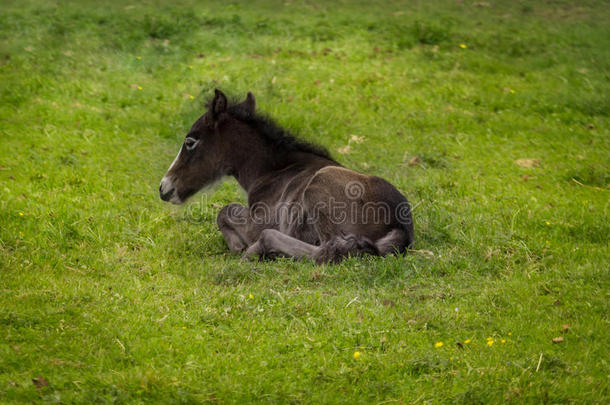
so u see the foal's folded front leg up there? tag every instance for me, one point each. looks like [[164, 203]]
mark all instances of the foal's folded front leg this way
[[275, 243], [233, 222]]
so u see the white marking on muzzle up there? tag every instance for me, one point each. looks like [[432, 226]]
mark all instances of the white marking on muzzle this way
[[166, 185]]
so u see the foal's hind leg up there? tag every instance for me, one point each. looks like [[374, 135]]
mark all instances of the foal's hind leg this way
[[233, 223], [275, 243]]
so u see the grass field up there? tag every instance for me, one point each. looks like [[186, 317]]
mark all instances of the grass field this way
[[492, 118]]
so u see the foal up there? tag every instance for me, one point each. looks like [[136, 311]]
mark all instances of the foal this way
[[301, 202]]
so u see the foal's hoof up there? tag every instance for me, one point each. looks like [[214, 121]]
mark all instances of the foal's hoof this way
[[252, 252], [248, 257]]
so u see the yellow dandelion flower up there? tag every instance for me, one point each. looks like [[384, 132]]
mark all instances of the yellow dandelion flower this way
[[467, 341], [510, 333], [490, 343], [438, 344], [547, 222], [190, 66], [191, 97], [357, 355], [503, 340], [250, 296], [21, 214], [138, 57], [463, 46], [489, 338], [139, 87], [184, 327]]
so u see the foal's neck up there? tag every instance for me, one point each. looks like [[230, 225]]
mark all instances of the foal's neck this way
[[256, 159], [250, 158]]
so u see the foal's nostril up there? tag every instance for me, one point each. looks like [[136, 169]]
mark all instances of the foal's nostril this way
[[166, 196]]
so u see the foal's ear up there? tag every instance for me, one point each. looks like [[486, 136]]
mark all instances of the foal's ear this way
[[219, 104], [250, 103]]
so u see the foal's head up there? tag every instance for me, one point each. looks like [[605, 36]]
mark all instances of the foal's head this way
[[201, 159]]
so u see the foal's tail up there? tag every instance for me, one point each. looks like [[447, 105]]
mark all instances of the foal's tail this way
[[397, 240], [400, 238]]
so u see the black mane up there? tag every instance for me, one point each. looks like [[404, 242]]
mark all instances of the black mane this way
[[277, 136]]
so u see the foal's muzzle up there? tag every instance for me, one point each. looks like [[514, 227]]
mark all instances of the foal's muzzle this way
[[166, 196], [167, 191]]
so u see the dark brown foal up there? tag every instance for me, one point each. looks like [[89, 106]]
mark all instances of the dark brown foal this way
[[301, 202]]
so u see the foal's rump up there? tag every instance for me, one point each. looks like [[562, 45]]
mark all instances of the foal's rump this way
[[357, 214]]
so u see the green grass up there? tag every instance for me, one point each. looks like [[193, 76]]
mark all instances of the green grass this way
[[110, 295]]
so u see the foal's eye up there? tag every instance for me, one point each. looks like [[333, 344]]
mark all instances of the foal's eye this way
[[190, 143]]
